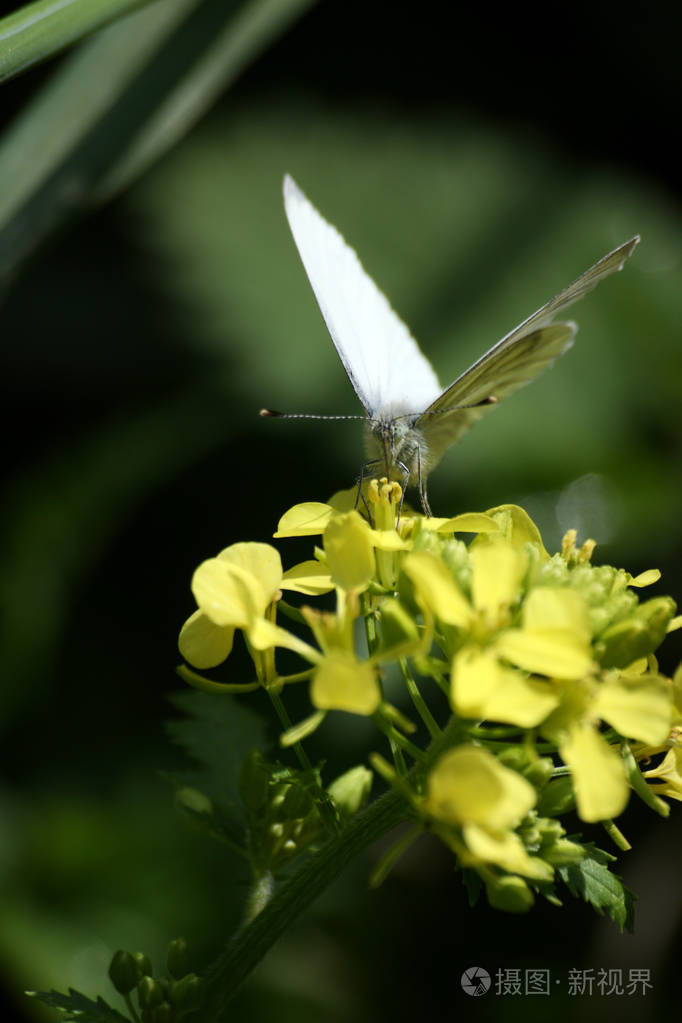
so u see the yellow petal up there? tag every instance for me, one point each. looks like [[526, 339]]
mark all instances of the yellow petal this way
[[470, 522], [550, 607], [310, 577], [437, 589], [517, 527], [343, 683], [497, 573], [638, 706], [263, 635], [601, 791], [652, 575], [227, 593], [388, 540], [203, 643], [261, 560], [304, 519], [555, 653], [506, 850], [350, 554], [468, 784], [483, 689]]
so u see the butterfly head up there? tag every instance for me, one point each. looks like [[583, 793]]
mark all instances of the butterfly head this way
[[397, 444]]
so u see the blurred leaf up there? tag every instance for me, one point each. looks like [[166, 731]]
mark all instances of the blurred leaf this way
[[39, 30], [217, 732], [77, 1007], [136, 88]]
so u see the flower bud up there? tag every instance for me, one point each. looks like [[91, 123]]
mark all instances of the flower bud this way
[[254, 781], [295, 804], [176, 960], [636, 636], [150, 993], [510, 894], [163, 1013], [123, 972], [144, 965], [350, 791], [187, 994]]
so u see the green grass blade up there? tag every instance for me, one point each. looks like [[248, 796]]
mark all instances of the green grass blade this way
[[118, 104], [41, 29], [253, 27], [84, 89]]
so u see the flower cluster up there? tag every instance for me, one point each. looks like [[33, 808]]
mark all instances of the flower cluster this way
[[546, 662]]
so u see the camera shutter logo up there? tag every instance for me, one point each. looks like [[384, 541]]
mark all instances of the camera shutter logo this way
[[475, 981]]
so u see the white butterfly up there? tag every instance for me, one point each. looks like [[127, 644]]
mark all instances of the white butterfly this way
[[411, 421]]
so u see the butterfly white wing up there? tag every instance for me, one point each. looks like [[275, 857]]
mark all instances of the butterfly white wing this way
[[390, 375], [513, 362]]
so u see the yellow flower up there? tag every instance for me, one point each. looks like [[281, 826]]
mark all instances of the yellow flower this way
[[232, 591], [469, 789], [554, 638], [668, 773]]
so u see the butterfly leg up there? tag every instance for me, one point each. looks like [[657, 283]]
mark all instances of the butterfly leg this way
[[361, 480], [426, 507], [406, 479]]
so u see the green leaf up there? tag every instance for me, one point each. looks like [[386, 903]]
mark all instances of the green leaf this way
[[605, 891], [39, 30], [217, 732], [78, 1007]]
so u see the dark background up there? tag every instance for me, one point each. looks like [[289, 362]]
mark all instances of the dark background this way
[[478, 161]]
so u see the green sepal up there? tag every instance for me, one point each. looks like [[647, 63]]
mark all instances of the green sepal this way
[[557, 797]]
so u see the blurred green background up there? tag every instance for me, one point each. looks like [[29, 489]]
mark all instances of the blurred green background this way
[[154, 301]]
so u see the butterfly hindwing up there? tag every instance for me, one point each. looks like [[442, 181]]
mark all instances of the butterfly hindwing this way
[[500, 372], [514, 361]]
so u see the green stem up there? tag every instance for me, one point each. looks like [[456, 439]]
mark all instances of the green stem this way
[[325, 806], [131, 1008], [418, 700], [616, 835], [250, 944], [639, 784], [397, 754]]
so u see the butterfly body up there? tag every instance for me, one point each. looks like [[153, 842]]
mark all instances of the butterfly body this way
[[410, 420]]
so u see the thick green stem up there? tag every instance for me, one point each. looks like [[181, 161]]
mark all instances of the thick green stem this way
[[250, 944], [246, 949]]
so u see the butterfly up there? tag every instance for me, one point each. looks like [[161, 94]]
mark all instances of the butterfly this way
[[411, 420]]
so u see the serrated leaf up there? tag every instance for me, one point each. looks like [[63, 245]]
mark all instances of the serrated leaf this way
[[217, 732], [78, 1007], [604, 890]]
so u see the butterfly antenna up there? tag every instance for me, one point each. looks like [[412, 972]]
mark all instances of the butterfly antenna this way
[[490, 400], [270, 413]]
